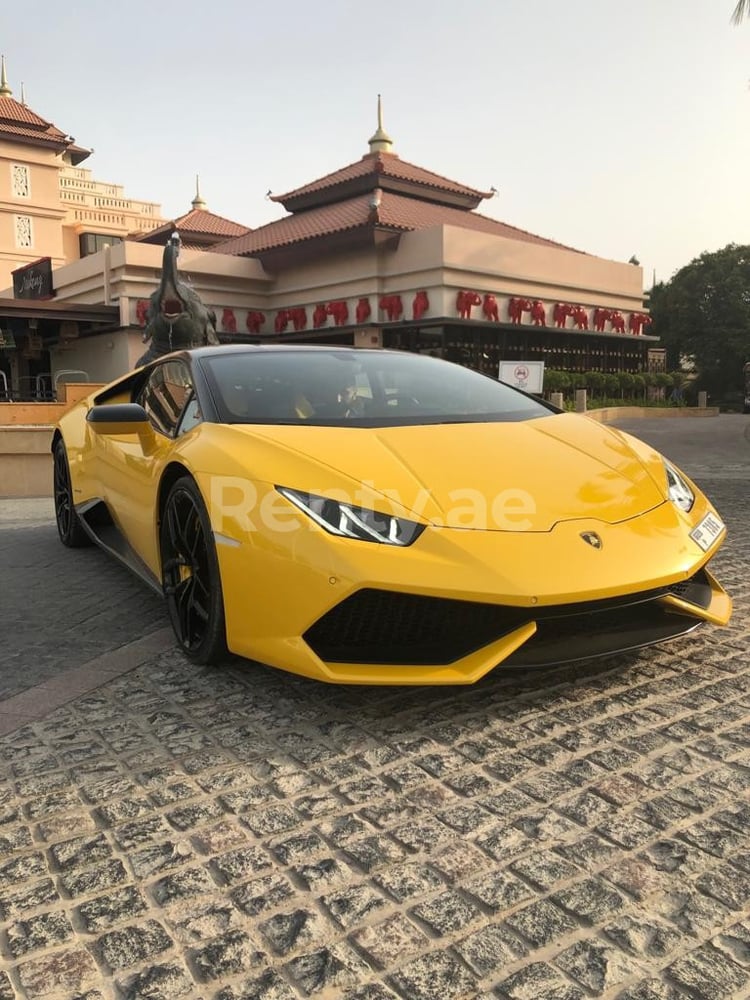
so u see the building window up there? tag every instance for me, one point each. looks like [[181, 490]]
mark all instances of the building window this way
[[94, 242], [24, 232], [20, 180]]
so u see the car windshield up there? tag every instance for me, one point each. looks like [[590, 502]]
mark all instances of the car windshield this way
[[357, 388]]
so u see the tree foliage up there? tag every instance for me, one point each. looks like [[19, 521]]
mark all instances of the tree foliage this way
[[703, 313]]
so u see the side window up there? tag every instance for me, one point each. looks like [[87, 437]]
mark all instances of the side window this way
[[165, 394], [191, 416]]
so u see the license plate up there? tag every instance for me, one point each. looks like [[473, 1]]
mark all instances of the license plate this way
[[705, 534]]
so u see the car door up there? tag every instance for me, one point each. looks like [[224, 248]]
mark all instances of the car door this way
[[132, 470]]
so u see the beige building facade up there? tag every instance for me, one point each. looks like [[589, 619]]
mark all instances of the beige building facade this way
[[379, 253]]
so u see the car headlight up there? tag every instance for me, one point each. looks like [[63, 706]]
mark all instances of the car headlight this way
[[677, 489], [348, 521]]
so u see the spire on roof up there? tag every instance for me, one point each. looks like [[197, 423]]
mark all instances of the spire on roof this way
[[380, 142], [5, 90], [23, 94], [198, 202]]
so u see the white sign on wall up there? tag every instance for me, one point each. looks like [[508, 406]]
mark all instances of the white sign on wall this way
[[526, 375]]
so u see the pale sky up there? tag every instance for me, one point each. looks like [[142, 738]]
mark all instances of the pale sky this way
[[616, 128]]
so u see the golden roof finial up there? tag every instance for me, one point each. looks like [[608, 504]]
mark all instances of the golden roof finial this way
[[198, 202], [380, 142], [5, 90]]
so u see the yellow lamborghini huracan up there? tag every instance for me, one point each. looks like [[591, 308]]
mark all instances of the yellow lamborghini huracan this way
[[368, 516]]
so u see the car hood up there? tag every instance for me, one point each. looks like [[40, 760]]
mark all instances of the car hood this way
[[523, 476]]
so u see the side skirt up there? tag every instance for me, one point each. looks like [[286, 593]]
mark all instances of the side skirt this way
[[100, 527]]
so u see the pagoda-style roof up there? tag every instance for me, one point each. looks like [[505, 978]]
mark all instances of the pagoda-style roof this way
[[387, 171], [376, 209], [198, 229], [369, 202], [18, 123]]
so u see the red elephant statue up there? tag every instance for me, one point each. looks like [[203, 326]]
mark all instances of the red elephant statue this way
[[637, 322], [282, 321], [141, 311], [538, 313], [560, 313], [392, 306], [340, 312], [298, 317], [601, 316], [489, 309], [617, 321], [516, 309], [465, 301], [320, 315], [363, 310], [229, 321], [254, 321], [420, 305], [580, 318]]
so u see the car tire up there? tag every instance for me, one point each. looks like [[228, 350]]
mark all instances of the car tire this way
[[69, 527], [190, 574]]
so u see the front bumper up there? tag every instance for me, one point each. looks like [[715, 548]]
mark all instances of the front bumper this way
[[450, 608]]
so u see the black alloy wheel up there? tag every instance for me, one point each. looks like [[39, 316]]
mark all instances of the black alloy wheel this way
[[69, 526], [190, 574]]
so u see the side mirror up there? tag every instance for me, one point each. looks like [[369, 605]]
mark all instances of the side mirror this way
[[117, 418], [121, 418]]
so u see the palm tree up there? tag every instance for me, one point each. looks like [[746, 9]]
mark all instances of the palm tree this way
[[740, 11]]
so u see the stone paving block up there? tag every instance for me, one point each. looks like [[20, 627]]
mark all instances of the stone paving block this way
[[642, 935], [160, 857], [241, 863], [80, 852], [596, 966], [436, 976], [590, 900], [263, 893], [296, 929], [490, 950], [708, 973], [66, 973], [182, 885], [169, 981], [330, 970], [407, 881], [20, 870], [446, 913], [45, 930], [136, 943], [114, 907], [229, 955], [372, 853], [102, 876], [725, 883], [141, 831], [538, 981], [498, 890], [390, 941], [651, 989], [353, 905], [197, 921], [541, 923], [267, 986], [544, 869]]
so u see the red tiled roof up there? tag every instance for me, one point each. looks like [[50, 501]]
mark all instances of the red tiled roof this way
[[17, 119], [395, 212], [382, 165], [199, 222]]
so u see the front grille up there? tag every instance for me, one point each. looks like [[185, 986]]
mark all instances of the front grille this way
[[382, 626]]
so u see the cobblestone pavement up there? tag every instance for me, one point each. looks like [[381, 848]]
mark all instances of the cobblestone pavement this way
[[242, 834], [67, 605]]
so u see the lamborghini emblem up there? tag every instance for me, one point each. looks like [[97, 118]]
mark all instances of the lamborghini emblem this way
[[591, 538]]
